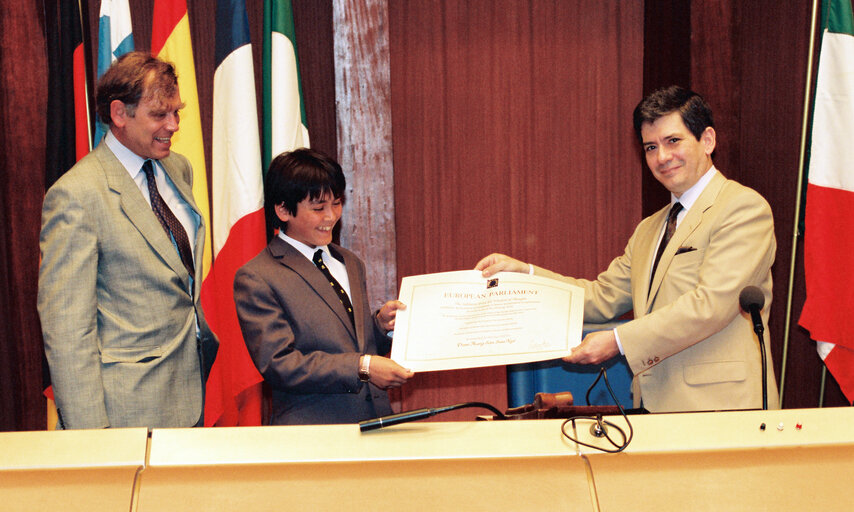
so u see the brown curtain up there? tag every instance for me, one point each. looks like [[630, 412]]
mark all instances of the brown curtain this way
[[23, 114]]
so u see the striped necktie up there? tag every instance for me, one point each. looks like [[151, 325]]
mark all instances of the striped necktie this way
[[339, 290]]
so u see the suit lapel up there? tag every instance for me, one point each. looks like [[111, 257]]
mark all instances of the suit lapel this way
[[689, 224], [138, 211], [185, 190], [314, 278], [648, 243]]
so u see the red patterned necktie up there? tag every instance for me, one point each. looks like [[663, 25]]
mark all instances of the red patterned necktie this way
[[167, 219]]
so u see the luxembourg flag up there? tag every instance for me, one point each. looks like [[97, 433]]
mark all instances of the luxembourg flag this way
[[115, 38], [170, 40], [829, 222], [284, 112], [234, 386]]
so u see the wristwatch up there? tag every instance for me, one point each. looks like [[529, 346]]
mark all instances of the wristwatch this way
[[365, 368]]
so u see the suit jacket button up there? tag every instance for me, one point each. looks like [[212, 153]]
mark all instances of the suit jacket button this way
[[649, 362]]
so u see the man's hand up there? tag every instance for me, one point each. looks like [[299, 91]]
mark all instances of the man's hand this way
[[385, 373], [388, 313], [597, 347], [495, 263]]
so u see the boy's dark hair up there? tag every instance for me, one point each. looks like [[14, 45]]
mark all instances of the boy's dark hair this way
[[695, 113], [297, 175]]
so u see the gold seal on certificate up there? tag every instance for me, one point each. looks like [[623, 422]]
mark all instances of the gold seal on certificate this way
[[461, 319]]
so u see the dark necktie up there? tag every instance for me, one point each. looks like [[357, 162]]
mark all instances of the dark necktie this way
[[167, 219], [339, 290], [668, 234]]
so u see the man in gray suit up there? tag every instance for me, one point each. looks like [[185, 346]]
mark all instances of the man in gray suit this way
[[303, 304], [124, 333]]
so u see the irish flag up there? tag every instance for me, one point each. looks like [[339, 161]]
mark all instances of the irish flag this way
[[234, 386], [170, 40], [829, 222], [284, 112], [115, 38]]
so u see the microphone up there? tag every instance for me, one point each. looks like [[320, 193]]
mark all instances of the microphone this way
[[752, 300], [403, 417], [419, 414]]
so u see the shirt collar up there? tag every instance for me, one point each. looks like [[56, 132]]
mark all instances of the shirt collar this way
[[303, 248], [690, 196], [129, 160]]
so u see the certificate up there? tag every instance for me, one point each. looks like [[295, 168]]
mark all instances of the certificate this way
[[461, 319]]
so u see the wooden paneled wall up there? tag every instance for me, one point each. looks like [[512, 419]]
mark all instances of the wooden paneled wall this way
[[512, 133]]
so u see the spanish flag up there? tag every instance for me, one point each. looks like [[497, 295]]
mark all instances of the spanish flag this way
[[170, 41]]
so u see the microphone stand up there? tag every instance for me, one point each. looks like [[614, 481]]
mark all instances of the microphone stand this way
[[751, 300], [419, 414], [764, 370]]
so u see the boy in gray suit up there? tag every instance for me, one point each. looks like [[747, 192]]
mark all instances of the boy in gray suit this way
[[303, 305]]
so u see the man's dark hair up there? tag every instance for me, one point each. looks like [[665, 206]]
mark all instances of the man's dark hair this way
[[695, 113], [297, 175], [133, 76]]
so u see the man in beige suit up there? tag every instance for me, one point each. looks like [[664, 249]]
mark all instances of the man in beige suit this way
[[125, 336], [688, 346]]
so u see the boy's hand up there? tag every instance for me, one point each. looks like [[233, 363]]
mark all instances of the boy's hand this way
[[385, 373]]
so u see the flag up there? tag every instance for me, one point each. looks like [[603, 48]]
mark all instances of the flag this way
[[829, 237], [170, 41], [284, 111], [68, 90], [234, 386], [68, 102], [115, 38]]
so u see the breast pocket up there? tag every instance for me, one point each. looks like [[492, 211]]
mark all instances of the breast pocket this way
[[684, 270]]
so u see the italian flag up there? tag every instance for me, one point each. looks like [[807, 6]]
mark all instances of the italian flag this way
[[829, 222], [170, 40], [234, 386], [284, 112]]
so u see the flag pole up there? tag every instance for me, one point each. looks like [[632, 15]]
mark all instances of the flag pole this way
[[796, 231]]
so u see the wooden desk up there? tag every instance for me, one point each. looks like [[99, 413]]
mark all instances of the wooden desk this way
[[519, 465], [724, 461], [693, 461], [75, 470]]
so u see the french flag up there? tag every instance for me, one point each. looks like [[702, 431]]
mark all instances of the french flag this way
[[234, 386]]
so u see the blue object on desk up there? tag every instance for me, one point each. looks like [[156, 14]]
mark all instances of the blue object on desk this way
[[526, 380]]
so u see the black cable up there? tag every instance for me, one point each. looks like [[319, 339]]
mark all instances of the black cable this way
[[601, 424]]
